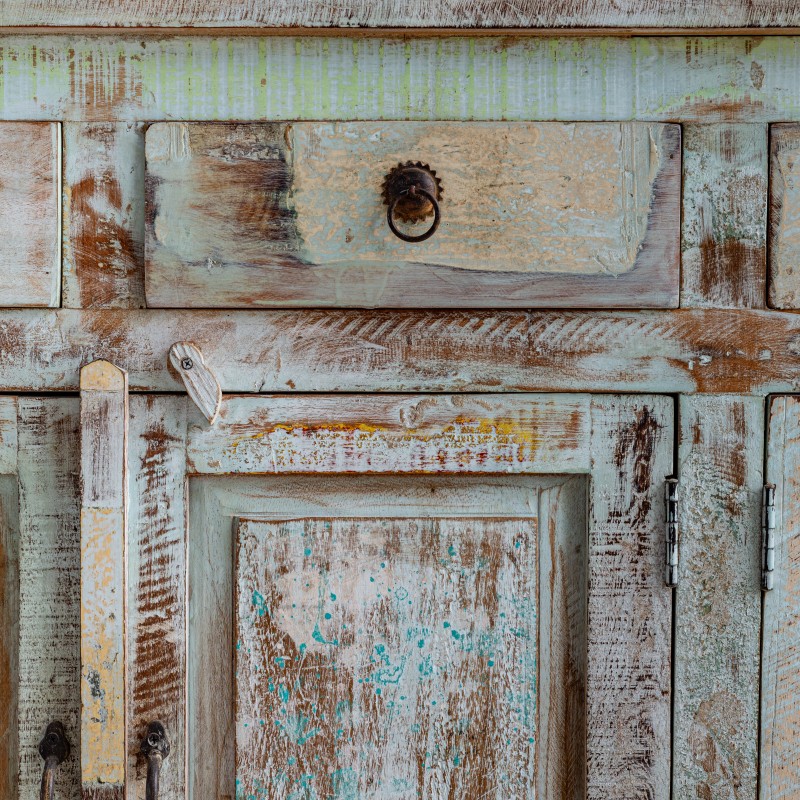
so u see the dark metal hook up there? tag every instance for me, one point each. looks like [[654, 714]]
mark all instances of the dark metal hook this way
[[53, 748], [155, 748]]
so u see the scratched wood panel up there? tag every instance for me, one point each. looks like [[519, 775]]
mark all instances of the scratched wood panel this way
[[718, 599], [784, 247], [532, 214], [628, 453], [30, 174], [104, 430], [9, 597], [391, 13], [780, 757], [724, 229], [103, 215], [467, 433], [629, 671], [140, 76], [49, 603], [214, 501], [690, 351], [156, 676], [391, 657]]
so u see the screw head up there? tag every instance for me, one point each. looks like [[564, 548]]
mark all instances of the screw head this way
[[187, 362]]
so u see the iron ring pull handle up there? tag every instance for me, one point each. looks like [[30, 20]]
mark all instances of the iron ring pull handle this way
[[155, 748], [53, 748], [414, 190]]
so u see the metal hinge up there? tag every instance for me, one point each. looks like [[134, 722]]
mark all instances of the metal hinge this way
[[768, 537], [671, 565]]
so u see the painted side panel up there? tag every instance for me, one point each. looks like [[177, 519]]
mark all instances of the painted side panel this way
[[780, 687], [718, 598], [390, 656], [50, 579], [537, 215], [629, 673], [157, 588], [9, 598], [30, 217]]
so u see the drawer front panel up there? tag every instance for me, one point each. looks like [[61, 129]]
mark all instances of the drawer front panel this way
[[29, 214], [533, 214]]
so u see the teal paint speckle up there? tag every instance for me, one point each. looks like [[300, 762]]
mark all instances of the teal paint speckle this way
[[333, 597], [259, 604]]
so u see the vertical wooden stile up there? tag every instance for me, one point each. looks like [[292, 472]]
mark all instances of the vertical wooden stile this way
[[104, 425]]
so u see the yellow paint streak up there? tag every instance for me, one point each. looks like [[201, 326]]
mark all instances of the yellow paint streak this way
[[102, 647]]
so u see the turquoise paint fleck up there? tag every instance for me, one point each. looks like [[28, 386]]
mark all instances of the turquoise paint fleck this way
[[259, 604]]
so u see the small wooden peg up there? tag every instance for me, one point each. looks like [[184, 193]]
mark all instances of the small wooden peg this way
[[201, 383]]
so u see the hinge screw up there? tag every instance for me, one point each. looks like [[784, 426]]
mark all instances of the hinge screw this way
[[187, 363]]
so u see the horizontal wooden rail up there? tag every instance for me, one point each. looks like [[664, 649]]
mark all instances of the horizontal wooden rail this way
[[686, 351]]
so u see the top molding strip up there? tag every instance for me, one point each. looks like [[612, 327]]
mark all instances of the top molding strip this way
[[461, 14]]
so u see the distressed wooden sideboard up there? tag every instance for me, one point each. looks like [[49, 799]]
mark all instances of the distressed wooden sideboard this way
[[353, 517]]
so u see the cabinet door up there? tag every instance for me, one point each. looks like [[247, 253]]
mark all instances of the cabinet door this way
[[401, 596], [780, 691]]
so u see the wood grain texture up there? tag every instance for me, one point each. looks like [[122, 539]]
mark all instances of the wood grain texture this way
[[50, 569], [157, 588], [391, 13], [104, 506], [388, 656], [213, 504], [103, 215], [700, 351], [718, 601], [546, 215], [784, 209], [30, 185], [201, 384], [9, 635], [724, 227], [9, 598], [780, 758], [460, 433], [142, 76], [630, 609]]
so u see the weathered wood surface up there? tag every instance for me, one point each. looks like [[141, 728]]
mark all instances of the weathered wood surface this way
[[627, 451], [706, 351], [725, 173], [157, 567], [406, 433], [213, 501], [784, 209], [396, 657], [780, 689], [103, 215], [417, 13], [142, 76], [50, 575], [9, 598], [30, 178], [718, 599], [629, 673], [104, 504], [544, 215], [201, 384]]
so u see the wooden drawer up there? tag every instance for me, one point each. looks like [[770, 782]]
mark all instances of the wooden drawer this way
[[532, 215], [29, 214]]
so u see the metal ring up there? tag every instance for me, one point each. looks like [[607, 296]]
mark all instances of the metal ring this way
[[405, 236]]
